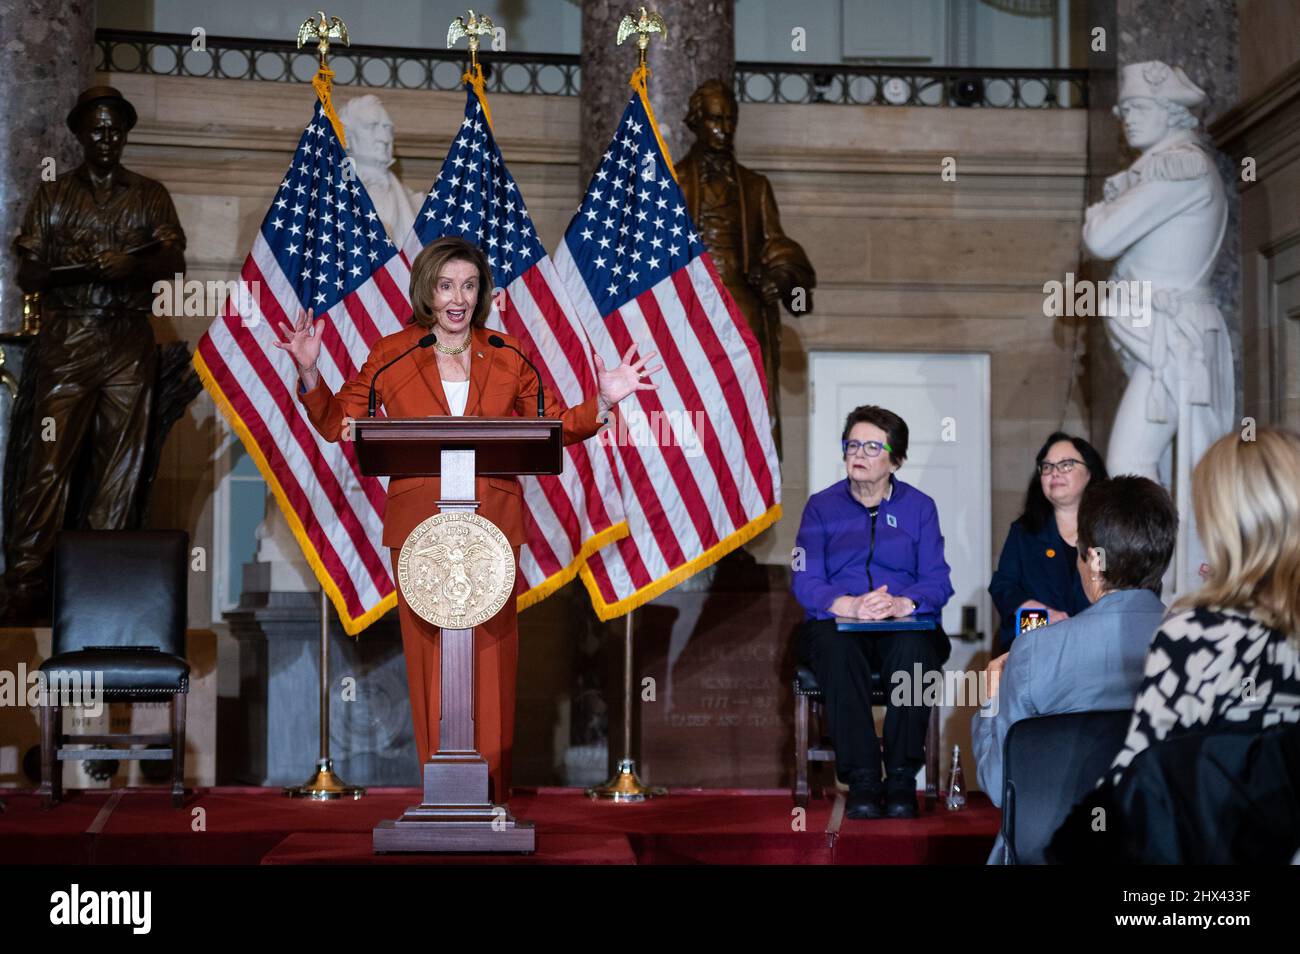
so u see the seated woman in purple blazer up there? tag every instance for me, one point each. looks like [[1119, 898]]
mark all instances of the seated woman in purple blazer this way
[[869, 547]]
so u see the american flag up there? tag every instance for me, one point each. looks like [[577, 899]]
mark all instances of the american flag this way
[[321, 246], [697, 461], [569, 516]]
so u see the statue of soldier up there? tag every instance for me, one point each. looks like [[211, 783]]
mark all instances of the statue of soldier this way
[[1163, 221], [735, 212], [93, 243]]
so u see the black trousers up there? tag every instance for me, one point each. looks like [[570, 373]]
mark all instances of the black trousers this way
[[843, 664]]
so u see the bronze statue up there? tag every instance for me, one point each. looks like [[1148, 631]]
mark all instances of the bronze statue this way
[[735, 212], [93, 243]]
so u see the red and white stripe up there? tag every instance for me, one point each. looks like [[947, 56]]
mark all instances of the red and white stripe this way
[[339, 512], [563, 513], [684, 511]]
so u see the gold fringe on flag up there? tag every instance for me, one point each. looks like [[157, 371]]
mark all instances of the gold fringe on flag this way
[[323, 83], [639, 82], [474, 76]]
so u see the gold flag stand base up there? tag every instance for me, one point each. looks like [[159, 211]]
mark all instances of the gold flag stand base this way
[[625, 786], [324, 785]]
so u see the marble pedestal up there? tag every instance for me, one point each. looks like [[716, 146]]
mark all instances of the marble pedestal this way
[[372, 741]]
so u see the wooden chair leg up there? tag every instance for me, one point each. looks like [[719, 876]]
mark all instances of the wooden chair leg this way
[[932, 760], [801, 750], [51, 790], [816, 782], [178, 749]]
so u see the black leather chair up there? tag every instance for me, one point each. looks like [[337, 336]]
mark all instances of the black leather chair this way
[[808, 708], [1048, 764], [1227, 796], [120, 611]]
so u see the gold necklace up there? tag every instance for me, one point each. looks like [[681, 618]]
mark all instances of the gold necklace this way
[[461, 350]]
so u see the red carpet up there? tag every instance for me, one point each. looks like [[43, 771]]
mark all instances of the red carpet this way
[[261, 826]]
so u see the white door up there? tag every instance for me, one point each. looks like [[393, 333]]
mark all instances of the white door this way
[[1284, 298], [944, 398]]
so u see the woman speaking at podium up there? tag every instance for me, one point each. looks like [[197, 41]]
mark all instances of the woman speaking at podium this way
[[461, 374]]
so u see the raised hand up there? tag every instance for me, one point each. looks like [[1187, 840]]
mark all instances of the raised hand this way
[[302, 341], [618, 383]]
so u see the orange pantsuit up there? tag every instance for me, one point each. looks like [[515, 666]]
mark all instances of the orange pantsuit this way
[[501, 385]]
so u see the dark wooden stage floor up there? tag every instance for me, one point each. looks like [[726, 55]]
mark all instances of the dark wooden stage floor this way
[[261, 826]]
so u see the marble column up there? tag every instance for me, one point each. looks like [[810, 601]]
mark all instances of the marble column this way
[[47, 57], [1264, 127], [1201, 36], [701, 45]]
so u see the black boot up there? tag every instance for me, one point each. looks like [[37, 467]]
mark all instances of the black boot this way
[[864, 795], [900, 794]]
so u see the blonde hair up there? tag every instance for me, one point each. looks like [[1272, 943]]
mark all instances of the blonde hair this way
[[424, 276], [1246, 495]]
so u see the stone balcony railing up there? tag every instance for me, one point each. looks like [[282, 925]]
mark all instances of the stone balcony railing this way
[[556, 74]]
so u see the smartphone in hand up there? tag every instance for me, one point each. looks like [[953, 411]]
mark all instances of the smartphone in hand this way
[[1027, 619]]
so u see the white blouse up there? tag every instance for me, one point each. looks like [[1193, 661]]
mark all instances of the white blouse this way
[[457, 394]]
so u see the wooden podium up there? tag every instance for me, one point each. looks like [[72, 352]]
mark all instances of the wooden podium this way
[[456, 814]]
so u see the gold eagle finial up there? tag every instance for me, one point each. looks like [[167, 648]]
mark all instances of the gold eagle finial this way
[[642, 25], [322, 32], [473, 26]]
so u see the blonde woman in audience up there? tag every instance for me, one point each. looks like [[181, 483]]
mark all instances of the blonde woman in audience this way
[[1229, 655], [1208, 768]]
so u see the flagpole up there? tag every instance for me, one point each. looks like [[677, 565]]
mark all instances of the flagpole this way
[[626, 786], [324, 783]]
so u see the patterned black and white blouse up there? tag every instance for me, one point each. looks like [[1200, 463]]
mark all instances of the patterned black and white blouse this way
[[1212, 669]]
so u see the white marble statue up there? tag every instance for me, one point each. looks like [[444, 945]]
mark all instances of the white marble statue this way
[[369, 132], [1163, 221]]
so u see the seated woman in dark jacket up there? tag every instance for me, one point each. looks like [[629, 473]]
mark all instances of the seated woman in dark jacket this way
[[1037, 568], [869, 547]]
